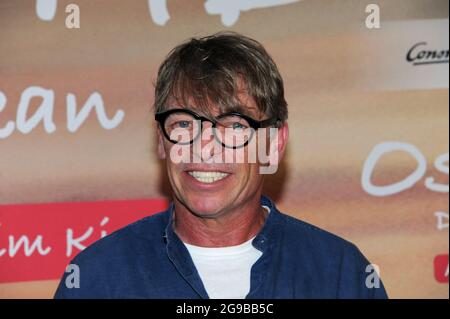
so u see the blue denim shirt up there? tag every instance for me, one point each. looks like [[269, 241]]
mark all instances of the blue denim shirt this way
[[148, 260]]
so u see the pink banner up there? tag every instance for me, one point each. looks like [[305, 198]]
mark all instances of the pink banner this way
[[38, 241]]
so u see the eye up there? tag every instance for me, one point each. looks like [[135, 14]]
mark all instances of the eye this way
[[234, 123], [238, 126], [182, 124]]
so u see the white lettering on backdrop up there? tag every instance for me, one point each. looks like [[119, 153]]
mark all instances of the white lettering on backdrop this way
[[25, 123]]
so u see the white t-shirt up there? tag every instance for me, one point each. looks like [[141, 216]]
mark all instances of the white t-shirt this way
[[225, 271]]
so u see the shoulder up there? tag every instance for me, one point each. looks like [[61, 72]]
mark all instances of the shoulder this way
[[320, 248], [305, 234], [115, 257], [324, 255], [133, 235]]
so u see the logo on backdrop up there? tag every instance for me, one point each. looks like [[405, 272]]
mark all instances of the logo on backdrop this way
[[421, 53], [441, 266], [229, 11]]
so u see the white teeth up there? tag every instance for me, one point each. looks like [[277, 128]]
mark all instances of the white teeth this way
[[208, 177]]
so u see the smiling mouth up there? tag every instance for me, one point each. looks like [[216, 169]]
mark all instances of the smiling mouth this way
[[208, 177]]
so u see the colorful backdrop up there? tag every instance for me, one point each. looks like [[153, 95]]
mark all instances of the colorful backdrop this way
[[369, 126]]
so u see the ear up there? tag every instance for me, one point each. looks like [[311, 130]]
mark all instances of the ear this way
[[277, 147], [283, 136], [161, 149]]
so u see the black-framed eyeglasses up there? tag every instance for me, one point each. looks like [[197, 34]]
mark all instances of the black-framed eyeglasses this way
[[231, 129]]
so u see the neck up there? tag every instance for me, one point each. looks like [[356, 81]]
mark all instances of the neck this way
[[230, 228]]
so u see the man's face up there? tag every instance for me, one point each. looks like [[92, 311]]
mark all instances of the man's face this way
[[211, 189]]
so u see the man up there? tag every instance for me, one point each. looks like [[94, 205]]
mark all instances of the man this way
[[221, 97]]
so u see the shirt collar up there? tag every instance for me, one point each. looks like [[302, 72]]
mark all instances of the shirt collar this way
[[180, 257], [262, 240], [266, 236]]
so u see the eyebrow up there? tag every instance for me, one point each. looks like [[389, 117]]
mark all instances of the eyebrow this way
[[239, 108], [243, 109]]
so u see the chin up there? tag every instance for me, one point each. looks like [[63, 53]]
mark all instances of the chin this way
[[205, 205]]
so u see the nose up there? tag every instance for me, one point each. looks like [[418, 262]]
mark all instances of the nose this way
[[207, 132], [207, 147]]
